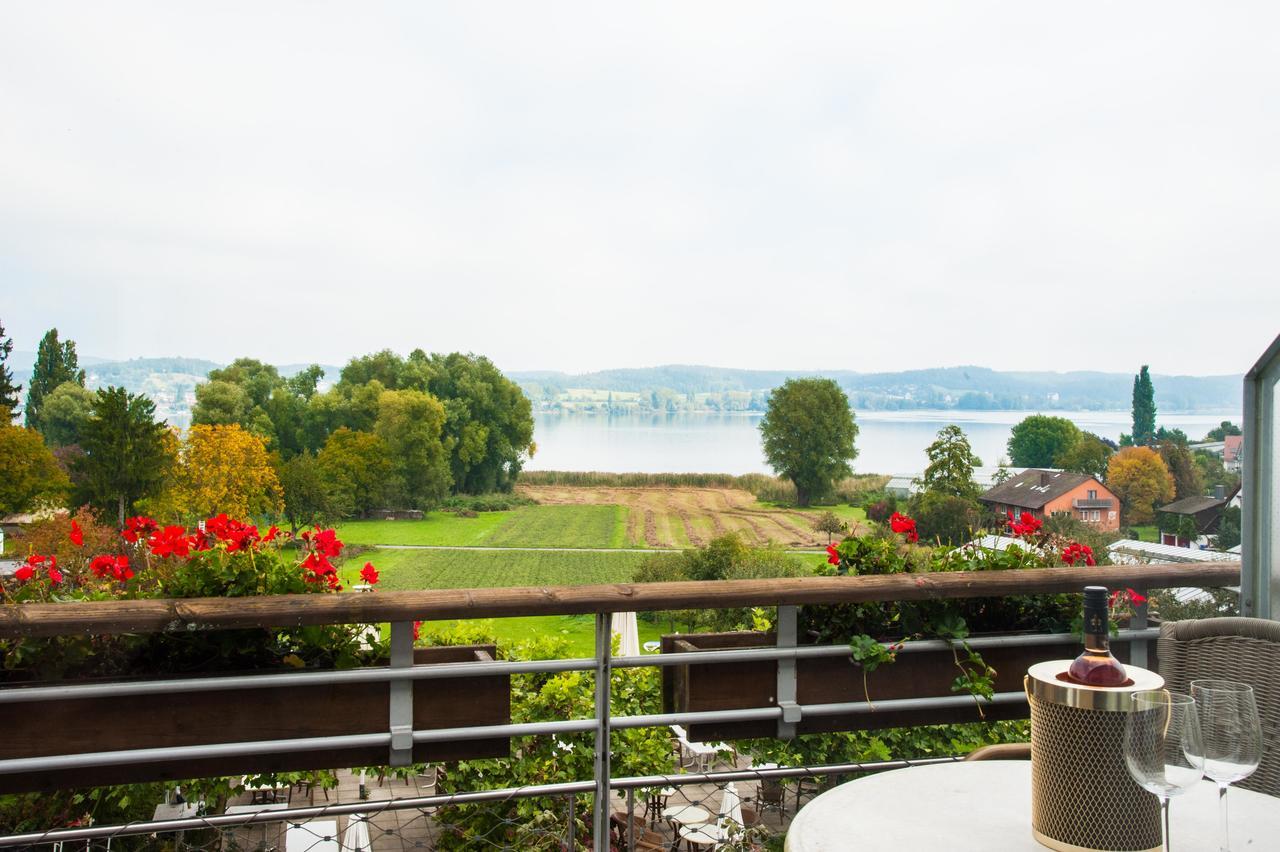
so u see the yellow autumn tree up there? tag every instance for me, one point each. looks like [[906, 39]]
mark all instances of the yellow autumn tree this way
[[223, 469], [1139, 477]]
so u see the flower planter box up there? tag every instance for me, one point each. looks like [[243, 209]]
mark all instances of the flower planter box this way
[[74, 726], [835, 680]]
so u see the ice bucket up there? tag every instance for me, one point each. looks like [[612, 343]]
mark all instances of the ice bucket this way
[[1082, 797]]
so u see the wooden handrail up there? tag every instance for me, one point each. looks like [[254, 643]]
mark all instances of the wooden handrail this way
[[152, 616]]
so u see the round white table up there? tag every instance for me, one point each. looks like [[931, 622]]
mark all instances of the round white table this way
[[687, 815], [985, 806]]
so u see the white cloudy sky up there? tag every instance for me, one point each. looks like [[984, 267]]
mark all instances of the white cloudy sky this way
[[583, 185]]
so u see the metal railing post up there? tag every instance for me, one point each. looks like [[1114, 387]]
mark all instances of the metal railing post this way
[[571, 841], [1139, 649], [401, 753], [631, 819], [1260, 573], [604, 648], [786, 686]]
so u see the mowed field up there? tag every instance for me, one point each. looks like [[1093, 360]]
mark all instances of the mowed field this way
[[684, 517]]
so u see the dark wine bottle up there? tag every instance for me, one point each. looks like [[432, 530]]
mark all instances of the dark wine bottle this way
[[1096, 666]]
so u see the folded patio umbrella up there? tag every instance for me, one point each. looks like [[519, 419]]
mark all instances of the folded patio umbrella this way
[[356, 837], [730, 806], [628, 633]]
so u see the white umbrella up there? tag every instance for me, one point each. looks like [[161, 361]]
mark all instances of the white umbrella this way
[[730, 806], [356, 837], [628, 633]]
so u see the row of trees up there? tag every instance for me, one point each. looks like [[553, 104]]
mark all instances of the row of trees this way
[[392, 432]]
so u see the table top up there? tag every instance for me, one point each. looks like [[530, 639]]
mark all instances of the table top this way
[[704, 835], [253, 809], [985, 806], [687, 814]]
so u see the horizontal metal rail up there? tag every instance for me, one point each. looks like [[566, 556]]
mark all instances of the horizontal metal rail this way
[[372, 808], [382, 674], [90, 618]]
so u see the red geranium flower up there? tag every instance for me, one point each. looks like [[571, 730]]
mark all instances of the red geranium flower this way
[[900, 523], [833, 555], [25, 572], [369, 574], [271, 533], [1026, 526], [55, 576], [76, 535], [170, 541], [116, 566], [324, 541], [138, 527], [1077, 552]]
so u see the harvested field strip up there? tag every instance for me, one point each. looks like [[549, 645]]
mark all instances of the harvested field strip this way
[[562, 526]]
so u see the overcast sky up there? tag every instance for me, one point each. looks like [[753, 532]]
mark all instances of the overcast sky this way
[[583, 186]]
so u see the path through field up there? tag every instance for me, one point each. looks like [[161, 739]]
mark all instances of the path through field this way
[[680, 517]]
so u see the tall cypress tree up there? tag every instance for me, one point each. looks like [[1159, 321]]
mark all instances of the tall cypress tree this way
[[56, 362], [8, 390], [1144, 408]]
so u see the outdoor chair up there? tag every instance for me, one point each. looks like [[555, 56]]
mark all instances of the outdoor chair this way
[[1242, 649], [772, 795]]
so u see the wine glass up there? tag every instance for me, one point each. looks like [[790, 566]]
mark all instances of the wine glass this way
[[1162, 746], [1232, 736]]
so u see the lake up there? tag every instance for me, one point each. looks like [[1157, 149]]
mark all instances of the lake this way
[[889, 442]]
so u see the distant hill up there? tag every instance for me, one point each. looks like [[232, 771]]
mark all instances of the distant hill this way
[[971, 388]]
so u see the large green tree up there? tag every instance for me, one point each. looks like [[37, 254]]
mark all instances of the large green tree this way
[[126, 454], [808, 431], [359, 469], [8, 390], [1088, 455], [64, 413], [411, 423], [1217, 433], [56, 362], [951, 464], [1144, 408], [1187, 481], [1039, 440], [308, 495], [28, 473]]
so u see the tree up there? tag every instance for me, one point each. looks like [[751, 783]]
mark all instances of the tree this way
[[828, 523], [29, 475], [946, 518], [411, 422], [1088, 455], [126, 455], [222, 469], [808, 431], [308, 496], [1218, 433], [1144, 408], [64, 413], [951, 464], [359, 468], [1212, 473], [1138, 476], [56, 362], [1228, 529], [1187, 481], [1039, 439], [8, 390], [220, 403]]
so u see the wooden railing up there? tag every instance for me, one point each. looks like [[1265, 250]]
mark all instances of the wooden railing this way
[[153, 616]]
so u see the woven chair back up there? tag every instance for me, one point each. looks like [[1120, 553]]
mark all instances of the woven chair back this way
[[1243, 649]]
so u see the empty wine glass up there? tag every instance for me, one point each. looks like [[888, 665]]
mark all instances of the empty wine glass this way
[[1232, 737], [1162, 746]]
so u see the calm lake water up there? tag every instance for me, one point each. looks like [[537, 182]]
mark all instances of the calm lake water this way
[[888, 441]]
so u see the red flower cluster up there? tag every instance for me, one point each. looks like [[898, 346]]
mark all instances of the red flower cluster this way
[[900, 523], [76, 535], [1077, 552], [369, 574], [235, 534], [136, 528], [1026, 526], [115, 566], [27, 570], [833, 555], [324, 546], [1134, 597], [170, 541]]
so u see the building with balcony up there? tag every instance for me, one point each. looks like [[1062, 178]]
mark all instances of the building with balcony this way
[[1056, 492]]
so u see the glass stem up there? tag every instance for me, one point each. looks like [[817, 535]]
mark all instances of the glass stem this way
[[1164, 821], [1222, 817]]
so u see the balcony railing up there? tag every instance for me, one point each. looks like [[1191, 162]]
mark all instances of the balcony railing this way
[[402, 609]]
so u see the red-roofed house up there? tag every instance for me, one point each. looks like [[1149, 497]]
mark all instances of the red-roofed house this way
[[1232, 449]]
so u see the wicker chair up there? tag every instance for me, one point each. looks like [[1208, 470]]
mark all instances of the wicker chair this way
[[1243, 649]]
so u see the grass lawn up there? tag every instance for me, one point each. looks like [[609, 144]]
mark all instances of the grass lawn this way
[[462, 569], [1147, 533], [563, 526], [435, 528]]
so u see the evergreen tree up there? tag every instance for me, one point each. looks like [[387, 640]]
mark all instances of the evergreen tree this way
[[951, 464], [1144, 408], [126, 455], [56, 362], [8, 390]]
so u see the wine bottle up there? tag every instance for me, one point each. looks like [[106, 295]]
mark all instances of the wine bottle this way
[[1096, 666]]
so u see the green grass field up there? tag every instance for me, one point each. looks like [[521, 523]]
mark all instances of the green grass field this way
[[563, 526], [438, 528], [465, 569]]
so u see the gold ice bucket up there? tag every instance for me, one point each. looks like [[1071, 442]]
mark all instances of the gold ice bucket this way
[[1082, 797]]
